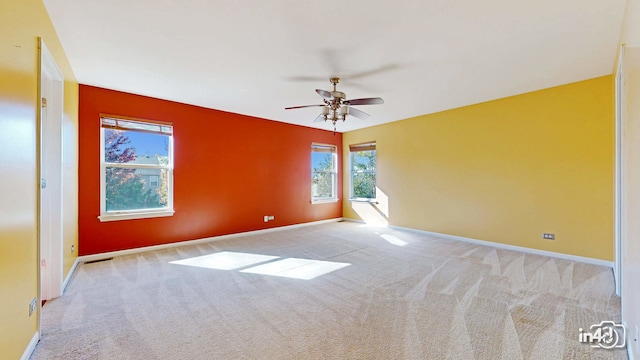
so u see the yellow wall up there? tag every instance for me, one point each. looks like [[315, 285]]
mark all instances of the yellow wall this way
[[21, 22], [504, 171]]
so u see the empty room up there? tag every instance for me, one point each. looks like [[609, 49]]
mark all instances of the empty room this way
[[329, 180]]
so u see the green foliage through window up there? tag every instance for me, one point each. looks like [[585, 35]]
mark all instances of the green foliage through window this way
[[323, 172], [363, 174]]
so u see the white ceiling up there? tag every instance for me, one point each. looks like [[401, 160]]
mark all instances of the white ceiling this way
[[257, 57]]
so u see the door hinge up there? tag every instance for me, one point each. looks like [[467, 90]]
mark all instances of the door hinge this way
[[44, 102]]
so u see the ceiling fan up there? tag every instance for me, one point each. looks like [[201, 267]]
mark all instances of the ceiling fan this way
[[337, 107]]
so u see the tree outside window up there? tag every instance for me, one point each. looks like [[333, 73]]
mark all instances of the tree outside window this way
[[363, 171], [136, 167], [323, 172]]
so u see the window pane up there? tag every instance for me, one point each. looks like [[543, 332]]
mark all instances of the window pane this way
[[131, 189], [323, 171], [322, 185], [321, 161], [363, 173], [363, 160], [124, 146], [364, 185]]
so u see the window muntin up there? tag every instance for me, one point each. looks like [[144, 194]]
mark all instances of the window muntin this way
[[363, 171], [324, 173], [136, 169]]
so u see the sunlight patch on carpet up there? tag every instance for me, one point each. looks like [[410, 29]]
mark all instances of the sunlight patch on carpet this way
[[394, 240], [225, 260], [293, 268], [296, 268]]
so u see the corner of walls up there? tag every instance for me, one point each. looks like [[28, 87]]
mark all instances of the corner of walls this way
[[630, 33]]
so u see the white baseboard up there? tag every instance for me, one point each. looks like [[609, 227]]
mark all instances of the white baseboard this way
[[581, 259], [71, 271], [100, 256], [354, 220], [31, 347]]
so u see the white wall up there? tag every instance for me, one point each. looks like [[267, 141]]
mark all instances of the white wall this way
[[630, 36]]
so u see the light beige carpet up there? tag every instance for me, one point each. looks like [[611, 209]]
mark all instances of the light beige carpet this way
[[402, 296]]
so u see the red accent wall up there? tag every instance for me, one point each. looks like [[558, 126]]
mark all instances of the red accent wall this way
[[230, 171]]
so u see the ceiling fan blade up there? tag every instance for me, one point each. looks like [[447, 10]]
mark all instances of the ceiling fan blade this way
[[300, 107], [375, 71], [305, 78], [365, 101], [358, 113], [319, 118], [325, 94]]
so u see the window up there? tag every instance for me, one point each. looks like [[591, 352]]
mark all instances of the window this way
[[154, 180], [324, 173], [136, 169], [363, 171]]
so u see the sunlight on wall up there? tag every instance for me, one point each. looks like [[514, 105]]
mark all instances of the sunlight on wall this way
[[369, 214], [293, 268], [373, 213], [382, 203]]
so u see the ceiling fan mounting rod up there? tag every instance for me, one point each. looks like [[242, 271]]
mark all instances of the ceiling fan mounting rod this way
[[334, 81]]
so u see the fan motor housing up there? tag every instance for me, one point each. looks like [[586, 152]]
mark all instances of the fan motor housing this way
[[338, 94]]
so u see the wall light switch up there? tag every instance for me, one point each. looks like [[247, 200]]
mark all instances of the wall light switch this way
[[32, 306]]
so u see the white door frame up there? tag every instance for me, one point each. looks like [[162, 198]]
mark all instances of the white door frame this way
[[619, 172], [51, 100]]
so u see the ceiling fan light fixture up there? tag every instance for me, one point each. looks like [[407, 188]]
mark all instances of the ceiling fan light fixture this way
[[336, 105]]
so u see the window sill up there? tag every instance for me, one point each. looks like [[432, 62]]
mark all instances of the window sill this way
[[371, 201], [323, 201], [137, 215]]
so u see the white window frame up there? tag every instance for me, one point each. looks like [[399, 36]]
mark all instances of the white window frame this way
[[333, 149], [131, 124], [355, 148]]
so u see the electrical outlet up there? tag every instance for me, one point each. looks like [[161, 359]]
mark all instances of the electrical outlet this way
[[266, 218], [271, 217], [549, 236], [32, 306]]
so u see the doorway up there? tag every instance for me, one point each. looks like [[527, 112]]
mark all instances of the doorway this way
[[51, 95]]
